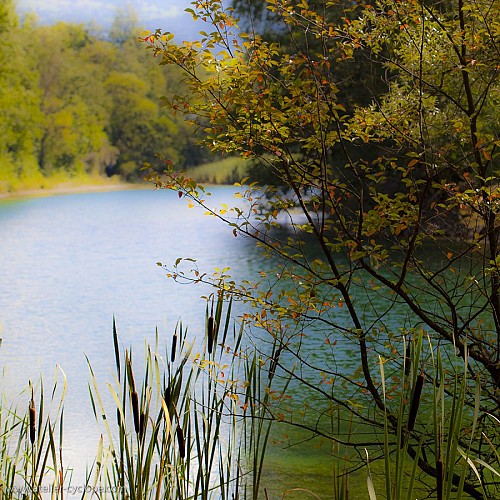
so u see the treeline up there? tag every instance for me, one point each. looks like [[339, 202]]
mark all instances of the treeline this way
[[76, 104]]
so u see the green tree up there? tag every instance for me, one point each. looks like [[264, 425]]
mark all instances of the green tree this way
[[20, 118], [137, 127], [358, 79], [73, 105], [359, 227]]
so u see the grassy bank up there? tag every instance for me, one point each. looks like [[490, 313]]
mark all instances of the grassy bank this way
[[62, 184], [227, 171]]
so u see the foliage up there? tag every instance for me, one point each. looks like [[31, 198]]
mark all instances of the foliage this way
[[74, 105], [363, 194], [20, 117], [197, 424], [175, 434], [170, 424]]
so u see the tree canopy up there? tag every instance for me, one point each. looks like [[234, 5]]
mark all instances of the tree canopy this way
[[75, 103], [382, 210]]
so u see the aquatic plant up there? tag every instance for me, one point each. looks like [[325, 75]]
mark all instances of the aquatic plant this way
[[31, 443], [183, 424], [376, 126], [436, 413], [178, 431]]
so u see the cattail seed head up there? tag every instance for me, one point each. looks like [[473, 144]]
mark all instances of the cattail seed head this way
[[210, 333], [32, 419], [180, 441], [439, 478], [135, 411], [168, 396], [415, 401], [408, 360], [169, 401], [174, 347]]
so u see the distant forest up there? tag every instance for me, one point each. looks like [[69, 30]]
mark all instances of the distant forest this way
[[77, 104]]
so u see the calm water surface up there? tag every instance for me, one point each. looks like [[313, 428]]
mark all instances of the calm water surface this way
[[69, 263]]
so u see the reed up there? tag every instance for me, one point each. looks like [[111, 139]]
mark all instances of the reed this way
[[31, 444], [415, 402], [177, 434], [444, 418], [193, 421]]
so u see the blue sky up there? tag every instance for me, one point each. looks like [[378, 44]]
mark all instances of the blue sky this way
[[168, 15]]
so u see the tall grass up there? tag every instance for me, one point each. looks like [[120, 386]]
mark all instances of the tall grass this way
[[192, 419], [175, 429], [31, 450], [173, 423], [442, 419]]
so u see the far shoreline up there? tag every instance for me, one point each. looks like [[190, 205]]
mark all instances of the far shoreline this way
[[70, 189]]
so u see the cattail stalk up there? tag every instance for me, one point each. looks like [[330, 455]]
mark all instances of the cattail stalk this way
[[440, 469], [142, 424], [402, 439], [415, 401], [274, 361]]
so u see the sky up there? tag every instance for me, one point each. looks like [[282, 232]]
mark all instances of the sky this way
[[168, 15]]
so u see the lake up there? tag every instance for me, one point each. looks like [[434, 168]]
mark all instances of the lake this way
[[68, 263]]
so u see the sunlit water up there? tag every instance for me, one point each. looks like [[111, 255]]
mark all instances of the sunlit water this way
[[69, 263]]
